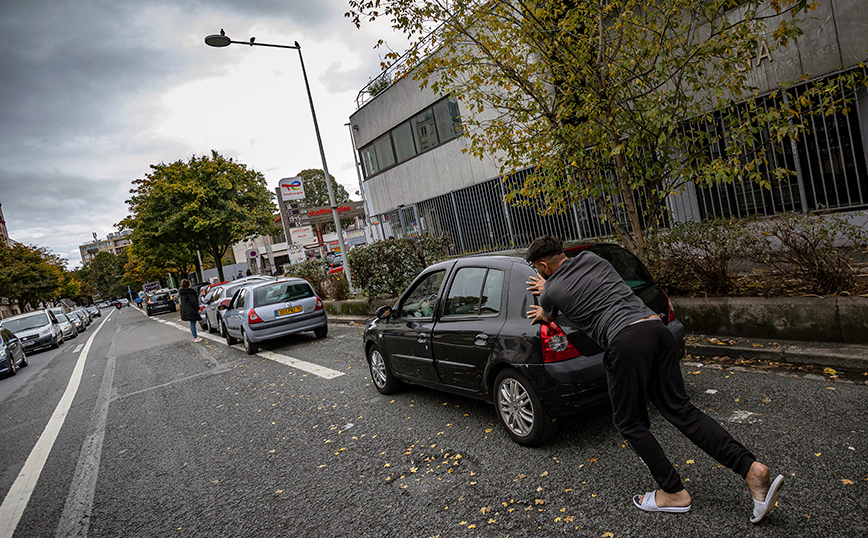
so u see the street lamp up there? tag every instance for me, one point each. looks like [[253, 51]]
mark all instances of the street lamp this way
[[222, 40]]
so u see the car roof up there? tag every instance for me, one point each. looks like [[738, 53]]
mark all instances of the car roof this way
[[26, 315]]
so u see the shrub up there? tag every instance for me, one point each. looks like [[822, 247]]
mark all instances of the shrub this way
[[315, 271], [387, 267], [693, 257], [339, 288], [814, 253]]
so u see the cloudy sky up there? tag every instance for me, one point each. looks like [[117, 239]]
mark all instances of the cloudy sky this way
[[92, 92]]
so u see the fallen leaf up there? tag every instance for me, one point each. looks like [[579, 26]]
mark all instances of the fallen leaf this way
[[829, 371], [569, 519], [817, 454], [486, 510], [538, 502], [690, 461], [766, 400], [545, 473], [608, 535], [592, 460], [847, 481]]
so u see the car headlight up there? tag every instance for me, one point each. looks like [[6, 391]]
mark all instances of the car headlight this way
[[2, 354], [46, 331]]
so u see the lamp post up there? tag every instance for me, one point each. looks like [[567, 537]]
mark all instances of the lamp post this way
[[221, 40]]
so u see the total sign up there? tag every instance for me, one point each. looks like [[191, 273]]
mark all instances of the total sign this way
[[291, 188]]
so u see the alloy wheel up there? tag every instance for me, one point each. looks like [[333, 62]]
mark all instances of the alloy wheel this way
[[515, 406], [378, 368]]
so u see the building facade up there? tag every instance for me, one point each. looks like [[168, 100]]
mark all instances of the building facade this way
[[417, 179], [114, 243]]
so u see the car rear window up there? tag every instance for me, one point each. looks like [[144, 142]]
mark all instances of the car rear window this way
[[161, 297], [625, 262], [281, 292]]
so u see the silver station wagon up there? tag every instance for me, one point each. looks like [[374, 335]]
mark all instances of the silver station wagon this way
[[266, 310]]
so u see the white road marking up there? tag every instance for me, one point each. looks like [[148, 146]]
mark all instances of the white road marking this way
[[19, 494], [309, 367], [78, 348], [75, 519]]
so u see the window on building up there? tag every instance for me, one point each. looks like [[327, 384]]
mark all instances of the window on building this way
[[424, 131], [383, 148], [448, 121], [405, 147]]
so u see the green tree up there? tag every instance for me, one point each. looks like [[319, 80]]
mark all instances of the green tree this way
[[205, 204], [106, 272], [595, 94], [29, 274], [316, 192]]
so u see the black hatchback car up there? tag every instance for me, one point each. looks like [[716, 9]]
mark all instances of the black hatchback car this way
[[461, 326], [160, 301], [12, 356]]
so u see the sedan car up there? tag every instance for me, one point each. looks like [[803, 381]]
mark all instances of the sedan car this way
[[267, 310], [461, 327], [94, 311], [36, 330], [12, 354], [160, 301], [77, 321], [221, 295], [66, 326]]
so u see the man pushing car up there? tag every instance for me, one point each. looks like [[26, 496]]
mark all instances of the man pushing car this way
[[640, 363]]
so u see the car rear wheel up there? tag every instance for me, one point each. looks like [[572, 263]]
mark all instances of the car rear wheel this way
[[12, 368], [230, 340], [520, 410], [24, 360], [381, 373], [208, 326], [250, 347], [321, 332]]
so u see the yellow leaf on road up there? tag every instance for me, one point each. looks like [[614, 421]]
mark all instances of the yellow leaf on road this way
[[847, 481]]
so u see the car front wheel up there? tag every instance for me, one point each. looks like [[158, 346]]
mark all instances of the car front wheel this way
[[250, 347], [520, 410], [381, 373], [12, 368]]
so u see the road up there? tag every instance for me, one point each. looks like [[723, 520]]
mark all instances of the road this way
[[166, 437]]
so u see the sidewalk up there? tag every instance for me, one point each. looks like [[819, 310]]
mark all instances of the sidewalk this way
[[841, 356]]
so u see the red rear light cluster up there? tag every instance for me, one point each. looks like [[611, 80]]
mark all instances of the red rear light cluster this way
[[253, 317], [319, 305], [671, 316], [556, 346]]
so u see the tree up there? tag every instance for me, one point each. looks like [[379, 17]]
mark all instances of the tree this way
[[205, 204], [106, 272], [316, 193], [605, 98], [29, 274]]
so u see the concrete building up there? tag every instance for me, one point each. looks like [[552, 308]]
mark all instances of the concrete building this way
[[114, 243], [417, 179], [4, 232]]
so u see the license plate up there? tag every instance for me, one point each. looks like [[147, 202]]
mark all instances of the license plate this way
[[287, 311]]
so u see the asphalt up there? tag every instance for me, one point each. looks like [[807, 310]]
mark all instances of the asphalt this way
[[759, 351]]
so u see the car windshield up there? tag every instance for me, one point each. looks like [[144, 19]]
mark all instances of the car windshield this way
[[61, 317], [160, 297], [27, 322], [281, 292]]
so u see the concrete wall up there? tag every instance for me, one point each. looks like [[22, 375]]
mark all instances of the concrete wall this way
[[817, 319]]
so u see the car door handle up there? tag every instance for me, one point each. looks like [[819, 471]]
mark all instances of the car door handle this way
[[422, 338], [481, 339]]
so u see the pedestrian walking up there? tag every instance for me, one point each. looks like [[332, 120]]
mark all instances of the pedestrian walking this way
[[239, 275], [640, 364], [139, 301], [189, 307]]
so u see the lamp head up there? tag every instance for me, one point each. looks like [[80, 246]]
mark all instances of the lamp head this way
[[217, 40]]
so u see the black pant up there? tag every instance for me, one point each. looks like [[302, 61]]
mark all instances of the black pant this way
[[641, 363]]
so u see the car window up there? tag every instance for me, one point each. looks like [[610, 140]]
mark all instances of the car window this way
[[463, 297], [61, 317], [625, 263], [160, 297], [492, 292], [281, 292], [421, 299]]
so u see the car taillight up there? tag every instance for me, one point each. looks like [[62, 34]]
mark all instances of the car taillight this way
[[201, 308], [556, 346], [671, 316], [253, 317], [319, 305]]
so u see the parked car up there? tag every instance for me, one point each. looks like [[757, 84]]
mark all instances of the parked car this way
[[461, 327], [77, 320], [124, 301], [160, 301], [36, 330], [66, 326], [221, 295], [84, 313], [12, 354], [94, 311], [267, 310]]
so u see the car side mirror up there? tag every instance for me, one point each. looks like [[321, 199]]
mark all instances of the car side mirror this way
[[384, 312]]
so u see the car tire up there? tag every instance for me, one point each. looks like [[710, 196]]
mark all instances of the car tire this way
[[519, 409], [24, 362], [250, 347], [56, 343], [12, 368], [208, 326], [381, 372], [230, 340], [321, 332]]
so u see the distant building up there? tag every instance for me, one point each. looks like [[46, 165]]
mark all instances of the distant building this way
[[4, 233], [115, 243]]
